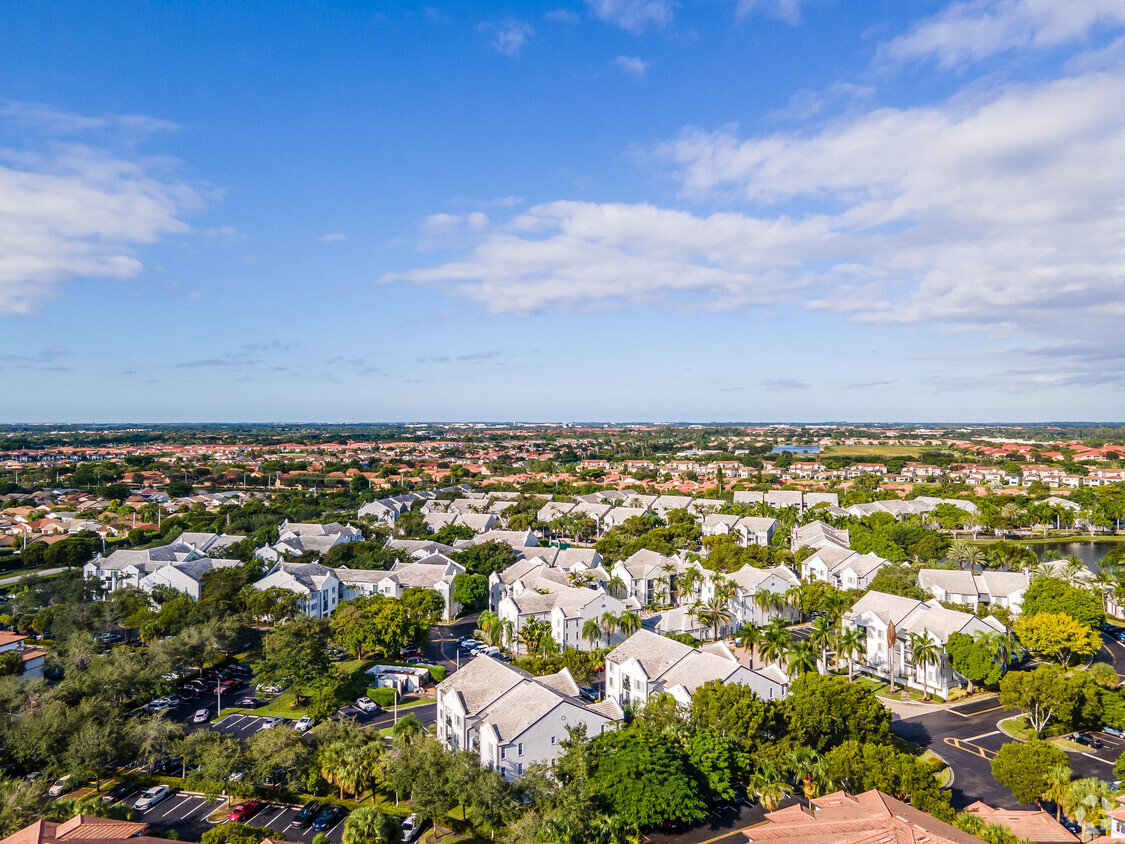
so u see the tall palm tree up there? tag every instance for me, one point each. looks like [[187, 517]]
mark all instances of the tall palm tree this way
[[628, 623], [775, 641], [801, 657], [591, 631], [964, 555], [407, 730], [807, 767], [1071, 569], [768, 783], [367, 825], [892, 641], [823, 638], [668, 575], [689, 581], [610, 829], [609, 625], [749, 636], [489, 628], [1042, 570], [616, 587], [852, 644], [1088, 799], [1057, 779], [924, 652]]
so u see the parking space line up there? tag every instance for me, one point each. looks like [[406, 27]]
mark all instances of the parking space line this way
[[278, 815], [202, 805], [1092, 756], [983, 735], [974, 749], [173, 808]]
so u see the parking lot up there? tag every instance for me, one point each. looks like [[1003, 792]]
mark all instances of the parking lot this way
[[187, 814]]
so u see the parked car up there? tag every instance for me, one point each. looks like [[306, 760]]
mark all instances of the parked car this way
[[244, 811], [271, 722], [1113, 731], [152, 797], [269, 689], [469, 644], [411, 827], [1086, 740], [61, 786], [1072, 827], [250, 703], [303, 724], [201, 716], [120, 791], [307, 814], [588, 693], [329, 816], [415, 660], [366, 704]]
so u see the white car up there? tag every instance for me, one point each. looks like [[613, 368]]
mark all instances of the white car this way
[[61, 786], [151, 797], [411, 827], [271, 722], [201, 716], [366, 704], [303, 724]]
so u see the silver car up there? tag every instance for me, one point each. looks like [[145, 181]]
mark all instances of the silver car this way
[[152, 797]]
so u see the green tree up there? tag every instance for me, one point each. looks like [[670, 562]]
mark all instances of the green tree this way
[[471, 591], [433, 791], [1052, 595], [823, 711], [1057, 636], [1043, 695], [973, 660], [273, 751], [238, 833], [491, 798], [643, 777], [296, 655], [1022, 767], [367, 825], [857, 767], [217, 755]]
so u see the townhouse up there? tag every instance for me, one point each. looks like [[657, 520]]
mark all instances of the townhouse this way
[[991, 588], [750, 530], [842, 567], [510, 719], [757, 595], [646, 665], [878, 613], [564, 607], [294, 539], [317, 586], [31, 658], [435, 572]]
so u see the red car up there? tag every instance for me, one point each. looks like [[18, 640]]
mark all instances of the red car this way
[[244, 811]]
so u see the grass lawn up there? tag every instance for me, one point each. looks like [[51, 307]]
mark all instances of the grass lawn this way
[[1017, 727], [1051, 539], [945, 775], [883, 690], [873, 451], [283, 706]]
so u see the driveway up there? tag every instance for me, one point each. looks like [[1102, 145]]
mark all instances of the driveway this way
[[967, 738]]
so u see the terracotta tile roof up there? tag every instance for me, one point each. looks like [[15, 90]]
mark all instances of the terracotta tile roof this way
[[1036, 826], [82, 828], [7, 637]]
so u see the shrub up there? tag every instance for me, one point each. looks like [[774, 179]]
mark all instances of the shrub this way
[[437, 673], [384, 697]]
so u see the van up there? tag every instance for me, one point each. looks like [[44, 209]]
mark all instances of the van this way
[[492, 650]]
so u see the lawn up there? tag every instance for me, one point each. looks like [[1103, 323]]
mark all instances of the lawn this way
[[945, 775], [873, 451], [1018, 728]]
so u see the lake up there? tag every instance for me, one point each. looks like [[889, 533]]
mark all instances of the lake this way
[[1088, 552], [797, 449]]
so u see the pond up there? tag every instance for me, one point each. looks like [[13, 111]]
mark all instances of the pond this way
[[1088, 552], [797, 449]]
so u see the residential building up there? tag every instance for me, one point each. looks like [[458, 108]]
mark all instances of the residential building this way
[[817, 535], [566, 608], [32, 658], [435, 572], [511, 719], [1033, 825], [83, 829], [317, 586], [646, 665], [748, 605], [842, 567], [294, 539], [993, 588], [877, 613], [185, 577], [869, 818]]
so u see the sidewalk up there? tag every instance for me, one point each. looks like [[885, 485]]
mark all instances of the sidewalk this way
[[911, 709]]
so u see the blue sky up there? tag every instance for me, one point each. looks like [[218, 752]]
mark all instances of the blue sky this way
[[594, 210]]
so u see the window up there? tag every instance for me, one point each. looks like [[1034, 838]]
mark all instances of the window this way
[[502, 749], [519, 750], [552, 739]]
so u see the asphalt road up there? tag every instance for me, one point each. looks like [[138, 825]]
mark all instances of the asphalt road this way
[[967, 738], [727, 824]]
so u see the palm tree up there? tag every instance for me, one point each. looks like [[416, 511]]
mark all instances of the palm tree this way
[[965, 555], [712, 614], [609, 625], [892, 640], [924, 652], [768, 783], [668, 575], [628, 623], [1057, 779], [801, 657], [615, 586], [688, 581], [852, 644], [775, 641], [749, 636], [1087, 800], [823, 638], [489, 628], [610, 829], [407, 730], [591, 631], [805, 763], [1042, 570], [1071, 569], [367, 825]]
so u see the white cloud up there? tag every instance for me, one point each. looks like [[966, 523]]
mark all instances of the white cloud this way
[[508, 36], [634, 15], [56, 122], [74, 210], [974, 30], [786, 385], [1003, 214], [333, 237], [787, 10], [561, 16], [632, 65]]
